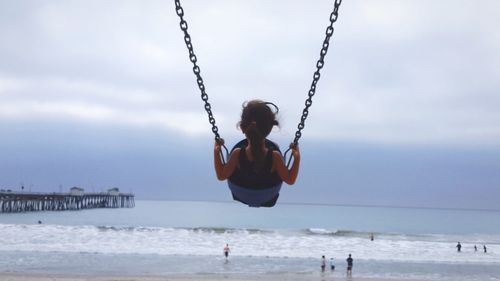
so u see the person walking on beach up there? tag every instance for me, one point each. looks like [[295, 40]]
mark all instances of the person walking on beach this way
[[459, 247], [323, 263], [332, 264], [226, 251], [484, 247], [349, 265]]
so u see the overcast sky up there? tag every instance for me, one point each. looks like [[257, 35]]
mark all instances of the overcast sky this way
[[101, 93]]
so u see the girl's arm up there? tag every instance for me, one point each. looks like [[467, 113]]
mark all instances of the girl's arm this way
[[224, 171], [287, 175]]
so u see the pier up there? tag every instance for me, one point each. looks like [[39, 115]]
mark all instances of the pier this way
[[14, 202]]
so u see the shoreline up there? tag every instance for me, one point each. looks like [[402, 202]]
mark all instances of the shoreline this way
[[192, 277]]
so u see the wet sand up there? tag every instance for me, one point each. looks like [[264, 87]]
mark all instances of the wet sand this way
[[202, 277]]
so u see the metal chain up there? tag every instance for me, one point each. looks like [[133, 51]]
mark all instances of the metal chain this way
[[196, 69], [319, 65], [199, 80]]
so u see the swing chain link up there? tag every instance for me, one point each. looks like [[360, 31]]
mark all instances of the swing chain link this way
[[199, 80], [319, 65], [196, 69]]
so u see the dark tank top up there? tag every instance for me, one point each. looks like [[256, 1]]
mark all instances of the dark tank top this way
[[247, 175]]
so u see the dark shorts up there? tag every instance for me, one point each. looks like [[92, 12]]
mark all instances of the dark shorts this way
[[226, 254], [349, 267], [332, 267]]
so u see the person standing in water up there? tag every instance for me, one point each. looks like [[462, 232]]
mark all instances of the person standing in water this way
[[459, 247], [475, 248], [484, 247], [226, 251], [349, 265], [332, 264], [323, 263]]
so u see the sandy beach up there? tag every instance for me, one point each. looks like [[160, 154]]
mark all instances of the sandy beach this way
[[203, 277]]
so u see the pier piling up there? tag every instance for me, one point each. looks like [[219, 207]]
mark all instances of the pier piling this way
[[13, 202]]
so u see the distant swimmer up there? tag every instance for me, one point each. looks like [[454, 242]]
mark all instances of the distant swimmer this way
[[349, 265], [459, 247], [475, 248], [39, 222], [484, 247], [226, 251], [323, 263], [332, 264]]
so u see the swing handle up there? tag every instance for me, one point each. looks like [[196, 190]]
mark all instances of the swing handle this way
[[220, 141], [293, 145]]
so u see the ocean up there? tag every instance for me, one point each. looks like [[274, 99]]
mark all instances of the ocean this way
[[158, 238]]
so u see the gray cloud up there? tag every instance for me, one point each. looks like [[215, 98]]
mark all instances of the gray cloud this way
[[158, 165], [397, 71], [100, 93]]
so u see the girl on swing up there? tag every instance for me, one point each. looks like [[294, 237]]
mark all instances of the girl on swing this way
[[256, 169]]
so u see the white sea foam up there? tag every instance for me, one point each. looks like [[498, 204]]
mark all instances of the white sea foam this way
[[309, 243]]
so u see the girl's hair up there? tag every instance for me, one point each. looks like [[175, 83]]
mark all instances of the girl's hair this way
[[257, 121]]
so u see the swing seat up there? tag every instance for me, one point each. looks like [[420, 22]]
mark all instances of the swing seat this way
[[255, 197], [254, 190]]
